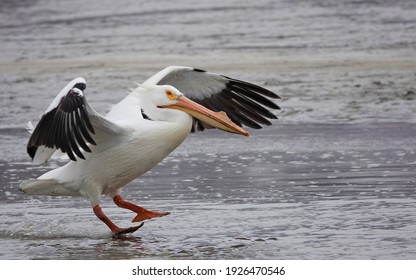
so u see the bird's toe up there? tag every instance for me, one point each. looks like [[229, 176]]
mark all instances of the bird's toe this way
[[126, 230]]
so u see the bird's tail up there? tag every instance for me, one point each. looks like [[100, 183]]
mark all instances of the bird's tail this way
[[46, 187]]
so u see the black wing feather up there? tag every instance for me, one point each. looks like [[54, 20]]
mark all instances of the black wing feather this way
[[66, 127], [233, 112], [252, 115], [253, 95], [77, 134], [253, 87], [250, 103], [241, 107]]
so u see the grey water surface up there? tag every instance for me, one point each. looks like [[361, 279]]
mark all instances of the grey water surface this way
[[333, 178]]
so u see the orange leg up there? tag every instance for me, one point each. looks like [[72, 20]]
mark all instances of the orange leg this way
[[115, 229], [142, 213]]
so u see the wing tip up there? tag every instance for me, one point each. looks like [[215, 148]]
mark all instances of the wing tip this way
[[31, 150]]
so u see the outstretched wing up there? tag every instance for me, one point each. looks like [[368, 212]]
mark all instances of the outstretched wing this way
[[245, 103], [69, 124]]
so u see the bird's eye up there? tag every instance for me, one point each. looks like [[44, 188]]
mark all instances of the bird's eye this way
[[170, 95]]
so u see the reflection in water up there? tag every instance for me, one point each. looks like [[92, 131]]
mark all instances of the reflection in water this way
[[122, 247]]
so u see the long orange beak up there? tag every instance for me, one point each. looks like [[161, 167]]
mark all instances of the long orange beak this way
[[216, 119]]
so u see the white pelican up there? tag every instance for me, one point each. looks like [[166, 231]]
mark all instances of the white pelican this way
[[107, 152]]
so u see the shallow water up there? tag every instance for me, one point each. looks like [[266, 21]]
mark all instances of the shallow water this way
[[314, 191], [333, 178]]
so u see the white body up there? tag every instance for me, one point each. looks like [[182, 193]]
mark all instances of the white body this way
[[107, 152], [119, 158]]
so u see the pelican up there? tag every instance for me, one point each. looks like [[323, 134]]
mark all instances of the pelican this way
[[108, 151]]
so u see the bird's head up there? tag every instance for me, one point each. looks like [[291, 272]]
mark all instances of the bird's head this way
[[168, 97]]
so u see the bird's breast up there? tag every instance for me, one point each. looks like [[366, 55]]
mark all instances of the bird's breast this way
[[129, 157]]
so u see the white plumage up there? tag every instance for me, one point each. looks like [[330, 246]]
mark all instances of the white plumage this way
[[107, 152]]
